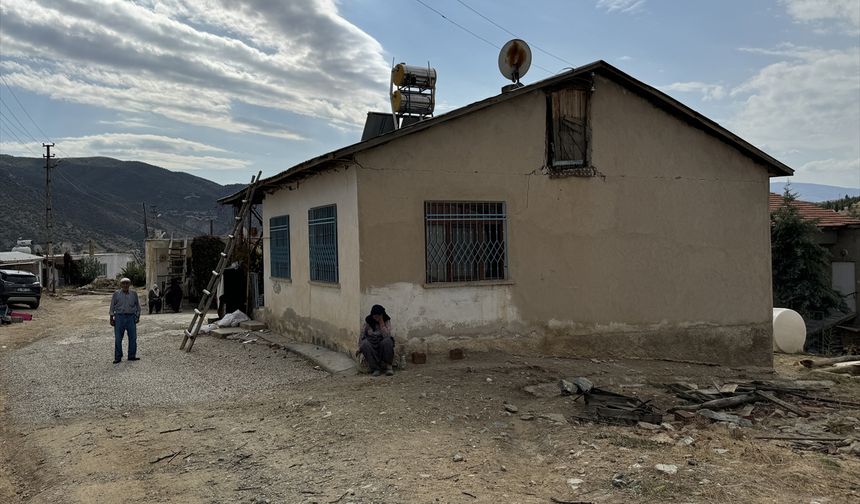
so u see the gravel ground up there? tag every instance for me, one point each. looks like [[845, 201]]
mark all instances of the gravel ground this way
[[71, 372]]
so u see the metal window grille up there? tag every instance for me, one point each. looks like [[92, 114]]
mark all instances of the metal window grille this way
[[279, 246], [322, 243], [466, 241]]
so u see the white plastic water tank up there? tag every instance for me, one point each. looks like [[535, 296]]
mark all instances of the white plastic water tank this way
[[789, 331]]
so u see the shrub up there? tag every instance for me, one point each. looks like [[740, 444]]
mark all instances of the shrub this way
[[136, 272], [89, 268]]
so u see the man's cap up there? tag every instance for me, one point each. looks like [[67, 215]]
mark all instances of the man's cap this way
[[125, 280]]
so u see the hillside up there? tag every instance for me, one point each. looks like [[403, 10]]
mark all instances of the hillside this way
[[101, 199], [816, 192]]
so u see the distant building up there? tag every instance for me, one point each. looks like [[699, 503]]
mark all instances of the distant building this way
[[22, 261], [588, 214], [840, 235]]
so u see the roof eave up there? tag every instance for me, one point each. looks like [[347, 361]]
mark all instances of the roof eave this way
[[775, 167]]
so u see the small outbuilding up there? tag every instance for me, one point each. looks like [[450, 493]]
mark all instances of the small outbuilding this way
[[22, 261], [587, 214]]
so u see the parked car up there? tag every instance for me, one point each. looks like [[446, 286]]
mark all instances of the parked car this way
[[20, 287]]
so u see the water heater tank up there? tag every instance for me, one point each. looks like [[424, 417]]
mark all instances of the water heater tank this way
[[415, 76], [789, 331]]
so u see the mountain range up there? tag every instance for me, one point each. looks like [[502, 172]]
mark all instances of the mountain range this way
[[101, 199], [816, 193]]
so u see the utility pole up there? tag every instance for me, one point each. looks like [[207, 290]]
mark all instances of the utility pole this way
[[145, 225], [154, 210], [49, 215]]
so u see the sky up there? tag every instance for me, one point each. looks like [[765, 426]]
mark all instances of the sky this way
[[223, 88]]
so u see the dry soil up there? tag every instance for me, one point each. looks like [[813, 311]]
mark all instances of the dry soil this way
[[234, 422]]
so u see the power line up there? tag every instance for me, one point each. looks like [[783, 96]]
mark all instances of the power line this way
[[23, 128], [21, 105], [458, 25], [17, 138], [470, 32], [22, 108], [11, 127], [509, 32]]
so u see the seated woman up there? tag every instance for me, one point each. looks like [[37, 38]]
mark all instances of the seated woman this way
[[376, 343]]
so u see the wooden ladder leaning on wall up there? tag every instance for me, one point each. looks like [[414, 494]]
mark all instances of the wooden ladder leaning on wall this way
[[212, 287]]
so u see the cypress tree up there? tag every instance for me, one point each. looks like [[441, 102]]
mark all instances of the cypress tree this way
[[801, 267]]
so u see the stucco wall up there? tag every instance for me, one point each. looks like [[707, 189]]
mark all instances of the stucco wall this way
[[667, 256], [325, 314], [115, 262], [156, 261]]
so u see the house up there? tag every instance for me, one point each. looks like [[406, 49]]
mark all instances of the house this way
[[840, 235], [587, 214], [21, 261], [112, 263]]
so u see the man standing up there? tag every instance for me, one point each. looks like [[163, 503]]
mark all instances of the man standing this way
[[124, 316]]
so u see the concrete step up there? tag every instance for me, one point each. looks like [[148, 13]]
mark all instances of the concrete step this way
[[223, 332], [252, 325]]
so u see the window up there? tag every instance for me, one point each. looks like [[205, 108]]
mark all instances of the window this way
[[568, 129], [102, 269], [322, 242], [466, 241], [279, 246]]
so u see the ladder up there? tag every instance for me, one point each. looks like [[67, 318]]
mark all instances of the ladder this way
[[212, 288], [176, 255]]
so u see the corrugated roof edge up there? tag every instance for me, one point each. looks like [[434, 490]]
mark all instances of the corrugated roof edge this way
[[657, 97]]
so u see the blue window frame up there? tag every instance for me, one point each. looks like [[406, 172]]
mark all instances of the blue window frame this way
[[279, 246], [322, 243]]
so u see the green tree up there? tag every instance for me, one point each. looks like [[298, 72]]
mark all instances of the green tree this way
[[89, 269], [801, 267], [136, 272]]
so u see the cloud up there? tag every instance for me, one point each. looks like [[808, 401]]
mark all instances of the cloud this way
[[806, 106], [623, 6], [708, 91], [844, 14], [192, 61], [176, 154], [840, 172]]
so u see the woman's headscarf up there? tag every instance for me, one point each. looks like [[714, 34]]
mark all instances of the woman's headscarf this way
[[376, 310]]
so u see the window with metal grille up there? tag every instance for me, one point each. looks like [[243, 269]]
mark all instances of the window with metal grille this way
[[279, 246], [322, 243], [568, 128], [466, 241]]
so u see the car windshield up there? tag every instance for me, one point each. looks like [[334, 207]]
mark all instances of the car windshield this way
[[19, 279]]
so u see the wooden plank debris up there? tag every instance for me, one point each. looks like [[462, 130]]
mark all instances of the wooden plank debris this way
[[726, 402], [798, 437], [818, 363], [790, 407], [849, 368], [609, 407]]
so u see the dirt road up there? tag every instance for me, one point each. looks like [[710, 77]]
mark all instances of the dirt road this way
[[233, 422]]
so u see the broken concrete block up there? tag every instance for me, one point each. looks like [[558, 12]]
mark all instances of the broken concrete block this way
[[252, 325]]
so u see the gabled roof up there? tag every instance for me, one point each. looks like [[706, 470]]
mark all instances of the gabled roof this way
[[825, 217], [655, 96]]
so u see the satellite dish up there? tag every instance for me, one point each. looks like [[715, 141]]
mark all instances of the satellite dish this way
[[515, 58]]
